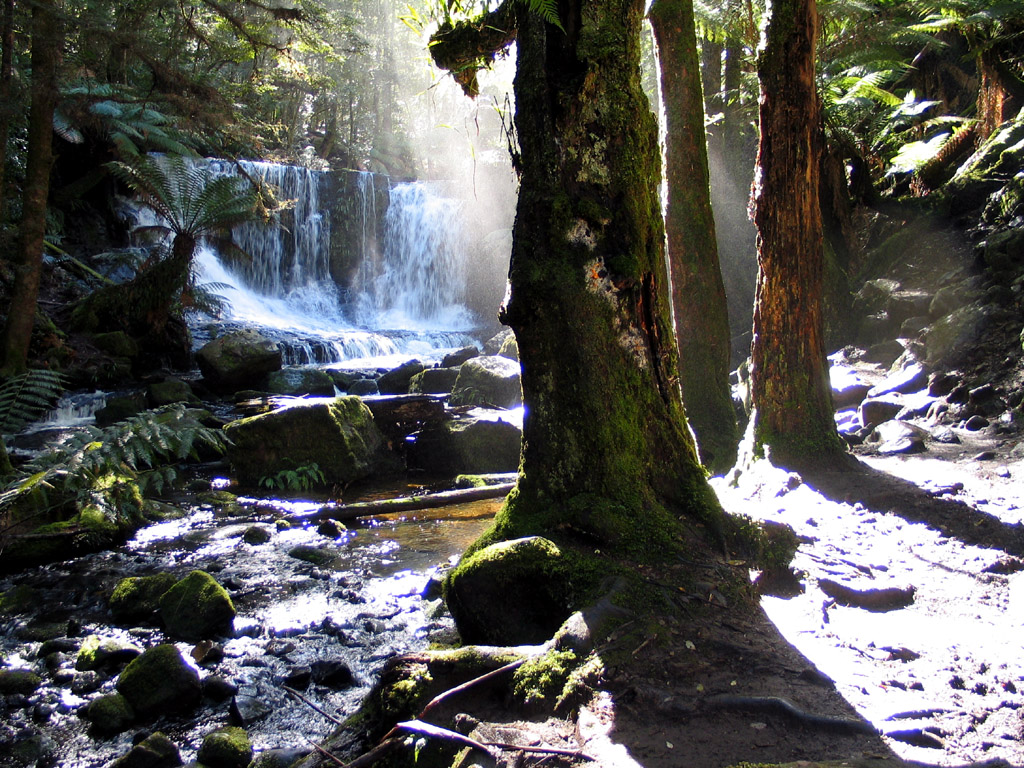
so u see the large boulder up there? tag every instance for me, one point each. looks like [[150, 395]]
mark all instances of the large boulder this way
[[396, 381], [238, 359], [137, 598], [480, 442], [300, 381], [109, 714], [159, 681], [489, 380], [339, 435], [511, 593], [197, 608], [433, 381]]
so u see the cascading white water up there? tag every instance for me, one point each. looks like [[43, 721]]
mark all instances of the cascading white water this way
[[418, 283], [406, 299]]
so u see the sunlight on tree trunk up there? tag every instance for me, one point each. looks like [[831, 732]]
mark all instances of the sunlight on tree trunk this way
[[698, 293], [791, 392]]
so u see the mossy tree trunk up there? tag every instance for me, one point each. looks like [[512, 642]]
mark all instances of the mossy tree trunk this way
[[698, 293], [607, 454], [28, 260], [791, 391]]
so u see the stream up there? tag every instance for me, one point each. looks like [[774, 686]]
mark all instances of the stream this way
[[351, 613]]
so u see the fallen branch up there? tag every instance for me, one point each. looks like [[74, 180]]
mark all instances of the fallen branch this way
[[407, 503], [311, 705], [442, 697], [437, 732]]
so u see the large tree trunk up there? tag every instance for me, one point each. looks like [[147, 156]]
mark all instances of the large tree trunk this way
[[606, 449], [29, 257], [791, 392], [698, 293], [7, 105], [607, 454]]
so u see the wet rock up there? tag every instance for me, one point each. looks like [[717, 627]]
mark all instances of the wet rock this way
[[434, 381], [945, 435], [256, 535], [58, 645], [848, 389], [332, 673], [109, 714], [300, 381], [207, 652], [279, 758], [363, 387], [314, 555], [84, 683], [154, 751], [227, 747], [298, 678], [482, 441], [976, 423], [31, 748], [159, 681], [510, 348], [914, 327], [489, 380], [956, 332], [218, 688], [247, 709], [396, 381], [458, 357], [120, 408], [170, 391], [197, 608], [332, 529], [339, 435], [237, 359], [18, 682], [98, 652], [494, 344], [137, 598], [985, 456], [876, 410], [874, 600]]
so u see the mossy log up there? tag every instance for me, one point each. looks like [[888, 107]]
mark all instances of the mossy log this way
[[411, 503]]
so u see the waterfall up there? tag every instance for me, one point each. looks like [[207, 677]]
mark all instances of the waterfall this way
[[419, 280], [405, 297]]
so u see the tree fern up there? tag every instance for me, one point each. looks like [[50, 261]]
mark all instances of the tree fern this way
[[24, 398]]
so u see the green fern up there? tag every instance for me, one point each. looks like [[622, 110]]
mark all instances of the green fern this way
[[546, 9], [24, 398]]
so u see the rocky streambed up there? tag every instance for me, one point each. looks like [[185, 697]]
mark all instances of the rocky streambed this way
[[317, 611]]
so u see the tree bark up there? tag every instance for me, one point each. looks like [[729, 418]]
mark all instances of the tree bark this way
[[607, 454], [791, 392], [698, 293], [29, 256], [6, 96]]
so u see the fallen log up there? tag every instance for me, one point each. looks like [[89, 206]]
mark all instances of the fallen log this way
[[875, 600], [407, 503]]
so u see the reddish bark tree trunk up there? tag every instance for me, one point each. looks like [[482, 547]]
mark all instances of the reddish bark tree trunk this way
[[793, 416]]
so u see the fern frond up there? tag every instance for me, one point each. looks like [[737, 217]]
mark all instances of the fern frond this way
[[24, 398]]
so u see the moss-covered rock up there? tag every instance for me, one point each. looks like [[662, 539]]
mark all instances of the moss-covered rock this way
[[155, 751], [159, 681], [170, 391], [433, 381], [300, 381], [236, 360], [481, 442], [256, 535], [109, 714], [137, 598], [197, 608], [97, 652], [315, 555], [509, 348], [489, 380], [339, 435], [227, 747], [18, 682], [116, 343], [515, 592], [541, 680]]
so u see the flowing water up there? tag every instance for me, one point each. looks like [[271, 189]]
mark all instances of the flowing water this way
[[358, 610]]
